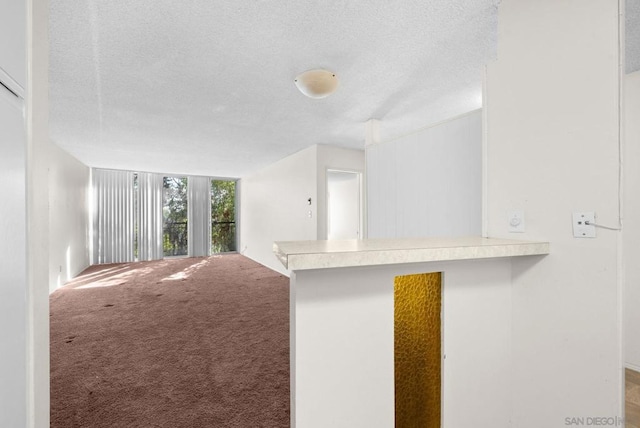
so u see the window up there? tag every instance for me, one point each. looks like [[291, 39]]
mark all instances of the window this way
[[223, 216], [174, 214]]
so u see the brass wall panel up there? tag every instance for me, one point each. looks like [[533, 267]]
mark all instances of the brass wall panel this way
[[417, 306]]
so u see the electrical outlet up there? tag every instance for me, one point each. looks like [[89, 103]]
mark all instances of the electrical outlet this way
[[516, 221], [581, 226]]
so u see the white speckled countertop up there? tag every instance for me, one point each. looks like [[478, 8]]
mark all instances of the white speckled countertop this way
[[302, 255]]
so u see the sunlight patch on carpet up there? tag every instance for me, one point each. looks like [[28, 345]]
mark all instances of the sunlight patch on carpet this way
[[114, 280], [186, 272]]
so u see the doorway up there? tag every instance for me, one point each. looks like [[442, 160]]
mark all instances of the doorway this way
[[344, 204]]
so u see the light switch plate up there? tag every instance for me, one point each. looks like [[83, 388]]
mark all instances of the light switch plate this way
[[580, 227], [515, 220]]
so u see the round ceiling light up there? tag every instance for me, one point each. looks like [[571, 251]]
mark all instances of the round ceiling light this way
[[317, 83]]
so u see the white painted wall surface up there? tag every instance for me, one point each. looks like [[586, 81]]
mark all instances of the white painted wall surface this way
[[427, 183], [274, 203], [13, 263], [13, 46], [552, 148], [68, 217], [330, 157], [274, 206], [24, 364], [38, 146], [343, 348], [631, 226]]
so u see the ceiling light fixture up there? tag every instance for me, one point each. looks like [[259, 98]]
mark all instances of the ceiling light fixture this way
[[317, 83]]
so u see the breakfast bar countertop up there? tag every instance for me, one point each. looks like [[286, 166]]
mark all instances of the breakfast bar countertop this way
[[304, 255]]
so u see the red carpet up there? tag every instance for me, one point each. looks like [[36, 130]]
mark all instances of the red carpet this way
[[198, 342]]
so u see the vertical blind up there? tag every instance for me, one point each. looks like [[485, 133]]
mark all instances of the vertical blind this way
[[199, 216], [113, 216], [121, 214], [149, 214]]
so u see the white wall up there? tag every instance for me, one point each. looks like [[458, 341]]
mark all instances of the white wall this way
[[330, 157], [427, 183], [38, 146], [24, 316], [13, 263], [631, 226], [13, 47], [273, 202], [342, 344], [552, 148], [68, 217], [274, 206]]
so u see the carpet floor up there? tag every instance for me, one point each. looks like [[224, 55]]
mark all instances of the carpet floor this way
[[193, 342]]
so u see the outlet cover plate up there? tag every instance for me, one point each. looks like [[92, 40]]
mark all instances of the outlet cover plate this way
[[580, 228], [516, 221]]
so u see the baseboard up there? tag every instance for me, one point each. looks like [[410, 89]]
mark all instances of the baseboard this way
[[632, 367]]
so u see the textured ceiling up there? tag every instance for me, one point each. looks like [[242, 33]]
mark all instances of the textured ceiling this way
[[206, 86]]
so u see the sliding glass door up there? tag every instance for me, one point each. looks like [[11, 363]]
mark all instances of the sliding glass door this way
[[166, 216], [223, 216], [175, 217]]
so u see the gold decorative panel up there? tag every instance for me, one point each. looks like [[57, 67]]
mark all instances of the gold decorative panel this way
[[417, 302]]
